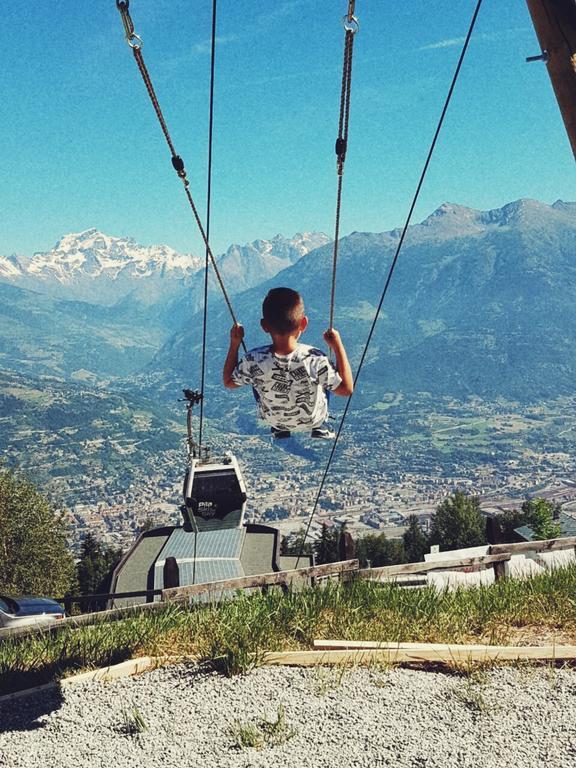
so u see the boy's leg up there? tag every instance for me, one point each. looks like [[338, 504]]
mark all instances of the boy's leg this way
[[280, 434], [322, 431]]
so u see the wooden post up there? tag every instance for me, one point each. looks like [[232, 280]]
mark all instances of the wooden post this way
[[500, 570], [346, 547], [555, 25], [67, 604], [171, 573]]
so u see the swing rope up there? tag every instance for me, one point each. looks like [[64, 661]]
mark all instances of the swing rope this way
[[351, 26], [208, 211], [391, 269], [135, 43]]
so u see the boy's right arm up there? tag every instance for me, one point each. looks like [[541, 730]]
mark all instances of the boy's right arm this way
[[236, 336], [332, 338]]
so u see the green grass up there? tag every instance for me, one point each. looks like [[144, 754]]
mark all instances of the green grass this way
[[232, 636]]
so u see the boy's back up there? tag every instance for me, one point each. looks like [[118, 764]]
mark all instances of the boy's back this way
[[290, 379], [290, 388]]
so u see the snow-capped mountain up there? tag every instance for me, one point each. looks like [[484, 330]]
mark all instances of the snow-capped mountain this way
[[105, 304], [101, 269], [91, 266], [244, 266]]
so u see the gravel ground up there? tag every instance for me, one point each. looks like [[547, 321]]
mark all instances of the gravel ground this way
[[363, 718]]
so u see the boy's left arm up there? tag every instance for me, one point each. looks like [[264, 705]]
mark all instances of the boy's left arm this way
[[236, 336]]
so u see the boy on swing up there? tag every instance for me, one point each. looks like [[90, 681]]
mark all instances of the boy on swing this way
[[290, 380]]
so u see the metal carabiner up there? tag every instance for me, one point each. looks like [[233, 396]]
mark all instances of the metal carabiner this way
[[133, 40], [351, 24]]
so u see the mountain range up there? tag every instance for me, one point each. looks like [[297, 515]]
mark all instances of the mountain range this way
[[101, 306], [481, 303]]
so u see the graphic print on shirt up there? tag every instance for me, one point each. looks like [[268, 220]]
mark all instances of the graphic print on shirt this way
[[290, 389]]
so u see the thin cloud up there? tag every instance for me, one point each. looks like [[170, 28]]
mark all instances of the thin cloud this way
[[448, 43], [281, 11], [206, 45], [452, 42]]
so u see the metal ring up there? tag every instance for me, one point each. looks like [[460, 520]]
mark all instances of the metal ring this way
[[130, 40], [351, 24]]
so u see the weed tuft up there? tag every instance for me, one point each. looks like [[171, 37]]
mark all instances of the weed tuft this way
[[327, 679], [263, 733], [133, 722]]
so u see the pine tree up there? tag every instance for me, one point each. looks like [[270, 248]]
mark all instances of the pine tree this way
[[376, 550], [94, 569], [327, 545], [415, 541], [295, 546]]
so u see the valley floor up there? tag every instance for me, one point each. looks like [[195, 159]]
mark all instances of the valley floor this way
[[363, 718]]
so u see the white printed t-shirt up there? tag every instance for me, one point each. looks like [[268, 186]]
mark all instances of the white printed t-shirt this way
[[290, 389]]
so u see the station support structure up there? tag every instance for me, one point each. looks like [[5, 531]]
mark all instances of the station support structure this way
[[555, 25]]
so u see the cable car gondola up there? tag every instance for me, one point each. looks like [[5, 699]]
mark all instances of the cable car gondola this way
[[214, 494], [214, 489]]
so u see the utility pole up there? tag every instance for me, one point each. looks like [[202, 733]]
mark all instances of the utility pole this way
[[555, 25]]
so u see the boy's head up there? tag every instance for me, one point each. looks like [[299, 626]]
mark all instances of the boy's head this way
[[283, 312]]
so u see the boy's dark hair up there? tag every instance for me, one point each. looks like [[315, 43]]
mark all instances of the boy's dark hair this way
[[282, 310]]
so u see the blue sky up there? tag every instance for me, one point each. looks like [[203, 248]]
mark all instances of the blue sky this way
[[80, 146]]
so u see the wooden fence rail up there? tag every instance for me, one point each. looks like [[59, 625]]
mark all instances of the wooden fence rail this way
[[522, 547], [345, 570], [390, 571], [69, 600]]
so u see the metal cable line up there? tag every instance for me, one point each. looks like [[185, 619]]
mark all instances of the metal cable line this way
[[392, 268], [208, 211]]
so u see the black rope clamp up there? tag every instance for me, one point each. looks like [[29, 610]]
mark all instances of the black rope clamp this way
[[178, 165], [341, 146]]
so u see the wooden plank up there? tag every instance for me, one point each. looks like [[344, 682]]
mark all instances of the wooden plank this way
[[127, 668], [432, 565], [344, 569], [520, 547], [449, 654], [336, 645], [555, 25], [123, 669]]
